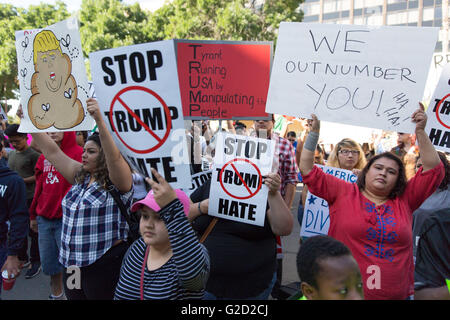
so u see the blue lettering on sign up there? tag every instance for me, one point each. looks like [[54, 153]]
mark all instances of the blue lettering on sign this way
[[313, 217]]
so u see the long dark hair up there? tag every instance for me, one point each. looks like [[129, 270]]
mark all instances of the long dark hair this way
[[446, 181], [101, 174], [400, 185]]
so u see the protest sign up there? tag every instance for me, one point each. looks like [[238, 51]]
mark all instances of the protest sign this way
[[52, 79], [137, 89], [316, 216], [438, 112], [359, 75], [198, 179], [237, 189], [224, 79]]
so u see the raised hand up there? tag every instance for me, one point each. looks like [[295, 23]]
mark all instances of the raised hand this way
[[162, 191], [419, 117]]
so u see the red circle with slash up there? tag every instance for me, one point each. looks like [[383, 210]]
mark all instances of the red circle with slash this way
[[161, 141], [251, 194], [437, 111]]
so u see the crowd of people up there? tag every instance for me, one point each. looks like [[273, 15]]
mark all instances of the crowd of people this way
[[63, 192]]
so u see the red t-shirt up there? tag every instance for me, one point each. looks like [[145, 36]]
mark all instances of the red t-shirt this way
[[379, 237]]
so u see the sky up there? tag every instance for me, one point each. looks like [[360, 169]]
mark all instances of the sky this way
[[74, 5]]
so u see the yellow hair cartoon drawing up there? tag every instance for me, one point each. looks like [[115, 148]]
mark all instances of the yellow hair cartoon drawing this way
[[54, 100]]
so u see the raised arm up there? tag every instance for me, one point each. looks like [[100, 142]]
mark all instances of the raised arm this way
[[307, 156], [119, 170], [428, 154], [62, 163]]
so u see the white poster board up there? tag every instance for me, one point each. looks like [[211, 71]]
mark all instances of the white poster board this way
[[359, 75], [237, 189], [316, 215], [139, 96], [438, 112], [198, 179], [52, 79]]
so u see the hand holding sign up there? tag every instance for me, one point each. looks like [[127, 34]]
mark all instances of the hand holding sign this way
[[94, 109], [19, 111], [314, 123], [162, 191], [273, 182], [204, 204], [419, 117]]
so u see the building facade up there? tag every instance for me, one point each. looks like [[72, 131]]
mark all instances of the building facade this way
[[421, 13]]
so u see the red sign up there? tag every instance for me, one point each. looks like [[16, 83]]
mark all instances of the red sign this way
[[153, 136], [236, 172], [224, 80]]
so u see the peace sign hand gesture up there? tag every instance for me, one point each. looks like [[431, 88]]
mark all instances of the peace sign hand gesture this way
[[162, 191]]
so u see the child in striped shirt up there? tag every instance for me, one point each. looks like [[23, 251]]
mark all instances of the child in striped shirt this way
[[167, 262]]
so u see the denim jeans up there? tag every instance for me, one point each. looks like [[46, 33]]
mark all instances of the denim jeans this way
[[262, 296], [49, 244], [3, 256]]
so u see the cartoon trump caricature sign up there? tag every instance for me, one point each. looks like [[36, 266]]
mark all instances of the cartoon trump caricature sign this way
[[53, 82]]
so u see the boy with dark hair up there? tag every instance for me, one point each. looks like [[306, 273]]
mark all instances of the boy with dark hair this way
[[23, 160], [13, 209], [328, 271]]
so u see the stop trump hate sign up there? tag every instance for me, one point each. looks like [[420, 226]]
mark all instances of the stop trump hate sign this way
[[438, 124], [237, 185], [138, 92]]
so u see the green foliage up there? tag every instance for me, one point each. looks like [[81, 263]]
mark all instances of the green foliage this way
[[222, 19], [13, 19], [111, 23]]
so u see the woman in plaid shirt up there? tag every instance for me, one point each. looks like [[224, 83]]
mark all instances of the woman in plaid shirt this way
[[94, 233]]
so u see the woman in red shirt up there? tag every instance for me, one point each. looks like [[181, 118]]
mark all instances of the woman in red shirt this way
[[374, 216]]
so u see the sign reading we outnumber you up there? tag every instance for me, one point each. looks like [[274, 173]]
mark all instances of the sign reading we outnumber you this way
[[137, 89], [237, 189], [358, 75]]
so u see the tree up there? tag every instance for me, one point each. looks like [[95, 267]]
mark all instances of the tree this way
[[110, 24], [222, 19], [10, 21]]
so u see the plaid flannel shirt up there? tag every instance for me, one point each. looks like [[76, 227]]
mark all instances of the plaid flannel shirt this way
[[284, 162], [287, 166], [91, 224]]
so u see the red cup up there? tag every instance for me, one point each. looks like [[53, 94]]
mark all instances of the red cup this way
[[8, 284]]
